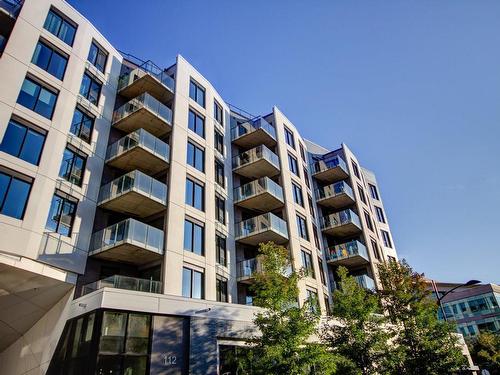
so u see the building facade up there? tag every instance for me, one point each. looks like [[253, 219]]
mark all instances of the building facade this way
[[133, 199]]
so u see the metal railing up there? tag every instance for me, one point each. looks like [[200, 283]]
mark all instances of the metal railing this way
[[334, 190], [340, 218], [134, 181], [147, 101], [346, 250], [147, 68], [324, 165], [128, 231], [251, 126], [257, 153], [124, 282], [256, 187], [139, 138], [259, 224]]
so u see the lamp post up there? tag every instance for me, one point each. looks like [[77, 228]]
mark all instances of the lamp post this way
[[440, 298]]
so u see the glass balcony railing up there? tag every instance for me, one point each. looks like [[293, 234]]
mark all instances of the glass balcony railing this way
[[128, 231], [346, 250], [147, 101], [257, 187], [247, 268], [340, 218], [124, 282], [365, 281], [261, 223], [147, 68], [12, 7], [334, 190], [139, 138], [257, 153], [134, 181], [251, 126], [324, 165]]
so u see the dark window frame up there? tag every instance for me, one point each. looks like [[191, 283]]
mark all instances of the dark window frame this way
[[221, 289], [220, 209], [293, 165], [219, 173], [302, 227], [64, 19], [201, 151], [289, 137], [53, 50], [195, 88], [191, 200], [85, 118], [298, 196], [202, 286], [41, 86], [21, 178], [194, 126], [27, 129], [65, 200], [307, 263], [193, 231], [219, 141], [100, 52], [221, 249], [218, 113], [76, 154], [94, 81]]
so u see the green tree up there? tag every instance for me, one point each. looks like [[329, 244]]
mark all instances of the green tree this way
[[285, 345], [485, 351], [423, 344], [357, 332]]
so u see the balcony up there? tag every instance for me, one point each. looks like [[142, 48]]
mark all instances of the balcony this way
[[352, 253], [337, 195], [257, 162], [330, 170], [145, 112], [342, 224], [124, 282], [139, 150], [246, 269], [363, 281], [147, 78], [261, 195], [129, 241], [254, 133], [134, 193], [10, 8], [262, 228]]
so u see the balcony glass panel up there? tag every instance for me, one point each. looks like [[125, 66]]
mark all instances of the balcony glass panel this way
[[256, 187], [147, 68], [247, 268], [257, 153], [334, 190], [144, 101], [251, 126], [346, 250], [124, 282], [261, 223], [139, 138], [323, 165], [365, 281], [340, 218]]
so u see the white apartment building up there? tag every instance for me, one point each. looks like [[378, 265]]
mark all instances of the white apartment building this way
[[133, 199]]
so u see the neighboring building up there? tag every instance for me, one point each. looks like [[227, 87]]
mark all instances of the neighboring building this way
[[133, 199], [475, 309]]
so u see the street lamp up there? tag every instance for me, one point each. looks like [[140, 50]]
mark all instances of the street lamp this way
[[439, 299]]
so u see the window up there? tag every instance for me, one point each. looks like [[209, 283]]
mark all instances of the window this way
[[302, 227], [14, 194], [61, 215], [312, 299], [219, 142], [321, 271], [355, 169], [195, 194], [37, 98], [386, 238], [391, 259], [72, 167], [307, 263], [373, 191], [290, 140], [196, 157], [97, 56], [302, 152], [90, 89], [61, 27], [219, 173], [197, 93], [194, 237], [220, 209], [311, 207], [196, 123], [47, 58], [82, 125], [192, 283], [362, 194], [297, 195], [220, 249], [23, 142], [306, 177], [368, 220], [218, 113], [376, 250], [316, 238], [380, 214], [221, 289], [292, 164]]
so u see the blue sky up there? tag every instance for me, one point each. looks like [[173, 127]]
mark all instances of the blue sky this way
[[413, 87]]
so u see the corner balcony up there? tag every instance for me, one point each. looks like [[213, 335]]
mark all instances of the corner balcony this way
[[342, 224], [147, 78], [257, 162], [262, 228], [254, 133], [246, 269], [331, 170], [261, 195], [337, 195], [145, 112], [129, 241], [352, 253], [124, 282], [134, 193], [139, 150]]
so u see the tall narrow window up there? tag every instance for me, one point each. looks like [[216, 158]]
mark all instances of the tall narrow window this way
[[23, 142], [72, 166], [196, 123], [355, 169], [306, 177], [307, 263], [196, 157], [297, 195], [386, 238], [316, 237], [373, 191], [195, 194], [61, 215], [90, 89], [380, 214], [376, 251], [220, 209], [221, 289], [220, 249], [218, 113], [50, 60], [321, 271], [14, 194], [194, 237], [197, 93], [293, 165], [302, 227], [290, 140], [302, 152], [192, 283], [82, 125], [97, 56], [312, 298], [362, 194], [38, 98], [219, 173], [60, 26], [368, 220], [219, 142], [311, 207]]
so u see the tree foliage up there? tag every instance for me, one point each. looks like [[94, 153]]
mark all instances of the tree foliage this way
[[485, 352]]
